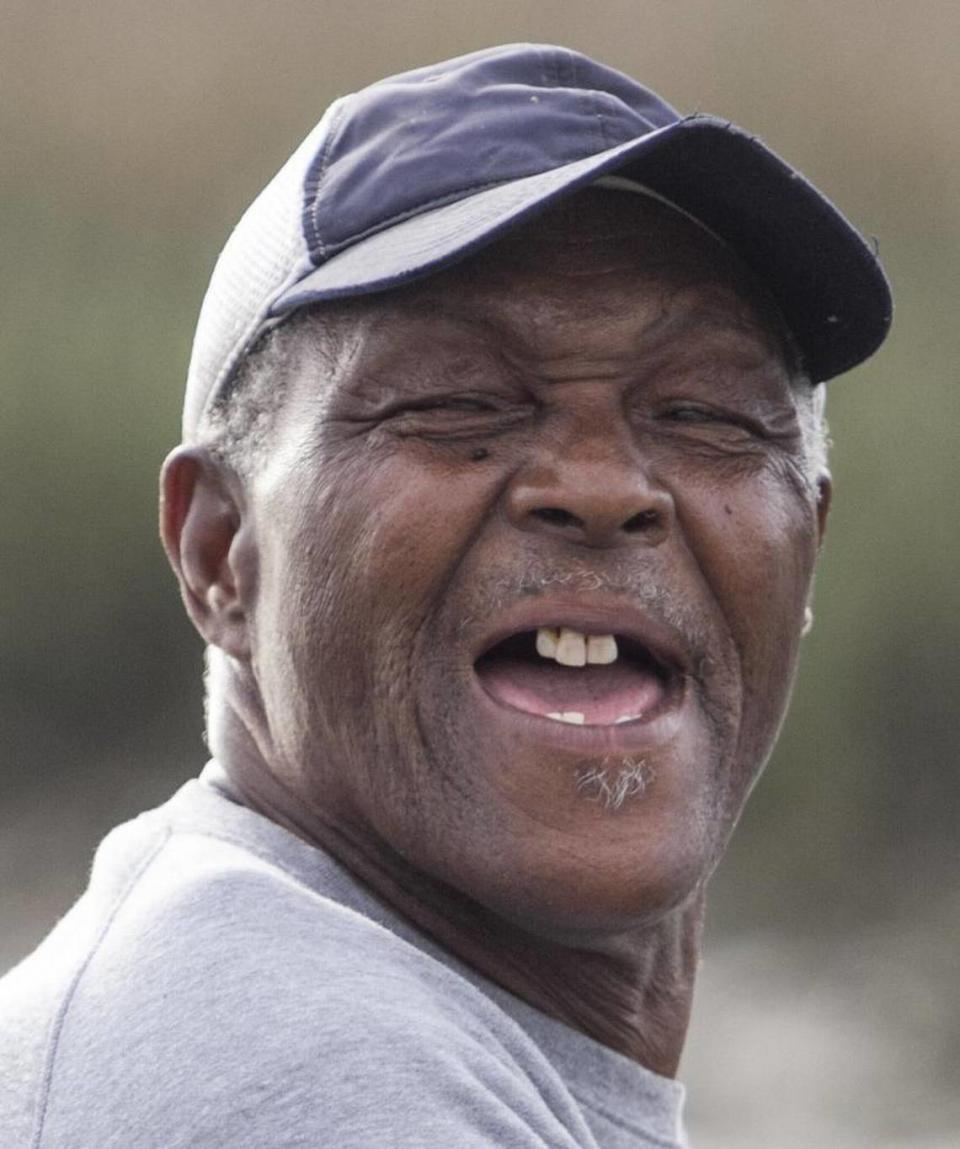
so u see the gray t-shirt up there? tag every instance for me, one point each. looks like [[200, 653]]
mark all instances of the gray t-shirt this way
[[222, 983]]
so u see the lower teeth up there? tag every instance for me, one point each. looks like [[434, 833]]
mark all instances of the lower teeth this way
[[575, 718]]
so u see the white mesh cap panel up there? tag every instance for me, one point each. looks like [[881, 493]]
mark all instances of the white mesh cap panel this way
[[265, 254]]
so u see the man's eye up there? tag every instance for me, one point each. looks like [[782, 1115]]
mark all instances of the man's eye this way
[[470, 403], [689, 413], [695, 415], [452, 416]]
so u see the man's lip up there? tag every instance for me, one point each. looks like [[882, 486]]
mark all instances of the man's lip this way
[[614, 616], [643, 734]]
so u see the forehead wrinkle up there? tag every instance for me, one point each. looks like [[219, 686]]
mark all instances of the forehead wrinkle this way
[[497, 343], [723, 332], [635, 339], [488, 329], [474, 301], [393, 363]]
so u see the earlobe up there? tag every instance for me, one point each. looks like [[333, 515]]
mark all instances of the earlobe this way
[[200, 518], [824, 496]]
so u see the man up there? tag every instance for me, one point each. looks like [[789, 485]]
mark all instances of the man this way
[[500, 493]]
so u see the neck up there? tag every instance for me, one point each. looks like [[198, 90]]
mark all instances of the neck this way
[[631, 992]]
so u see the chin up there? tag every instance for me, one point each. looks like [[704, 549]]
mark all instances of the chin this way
[[532, 844], [584, 910]]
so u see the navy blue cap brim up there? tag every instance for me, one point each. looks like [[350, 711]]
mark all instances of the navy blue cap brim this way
[[824, 277]]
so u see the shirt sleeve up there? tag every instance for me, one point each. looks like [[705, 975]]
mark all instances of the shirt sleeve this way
[[227, 1021]]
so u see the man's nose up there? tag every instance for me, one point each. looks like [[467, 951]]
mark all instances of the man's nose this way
[[594, 489]]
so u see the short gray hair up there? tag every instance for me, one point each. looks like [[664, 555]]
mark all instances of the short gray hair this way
[[811, 410], [237, 428]]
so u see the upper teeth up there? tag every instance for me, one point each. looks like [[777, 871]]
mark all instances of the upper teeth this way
[[571, 648]]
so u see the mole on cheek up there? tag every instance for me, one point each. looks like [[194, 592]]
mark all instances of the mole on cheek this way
[[727, 508]]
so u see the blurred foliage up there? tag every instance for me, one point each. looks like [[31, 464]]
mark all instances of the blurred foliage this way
[[134, 136]]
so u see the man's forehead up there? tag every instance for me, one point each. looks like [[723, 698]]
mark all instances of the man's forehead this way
[[460, 323]]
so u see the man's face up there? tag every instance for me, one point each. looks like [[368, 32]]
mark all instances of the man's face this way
[[588, 427]]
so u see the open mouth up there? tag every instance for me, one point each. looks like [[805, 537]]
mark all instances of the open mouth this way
[[562, 674]]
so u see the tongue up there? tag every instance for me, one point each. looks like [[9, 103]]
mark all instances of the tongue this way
[[602, 694]]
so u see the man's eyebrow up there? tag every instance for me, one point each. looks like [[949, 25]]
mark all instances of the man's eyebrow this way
[[393, 353], [673, 323], [475, 322], [398, 370]]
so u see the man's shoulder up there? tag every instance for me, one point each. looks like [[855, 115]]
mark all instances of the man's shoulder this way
[[211, 926], [219, 991]]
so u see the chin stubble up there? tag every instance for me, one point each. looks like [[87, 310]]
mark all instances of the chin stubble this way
[[614, 781]]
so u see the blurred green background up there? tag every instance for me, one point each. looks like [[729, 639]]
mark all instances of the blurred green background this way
[[135, 133]]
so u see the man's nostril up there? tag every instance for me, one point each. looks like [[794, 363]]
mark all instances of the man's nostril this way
[[557, 516], [641, 521]]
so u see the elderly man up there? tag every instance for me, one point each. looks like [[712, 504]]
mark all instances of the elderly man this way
[[500, 493]]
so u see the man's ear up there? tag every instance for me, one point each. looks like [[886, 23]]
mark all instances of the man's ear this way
[[200, 518], [824, 495]]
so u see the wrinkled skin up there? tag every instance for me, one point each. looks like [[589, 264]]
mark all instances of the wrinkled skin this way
[[611, 362]]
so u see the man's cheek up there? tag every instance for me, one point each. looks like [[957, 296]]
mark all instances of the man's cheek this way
[[758, 553], [416, 527]]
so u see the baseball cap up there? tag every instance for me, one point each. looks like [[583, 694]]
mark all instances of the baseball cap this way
[[415, 172]]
